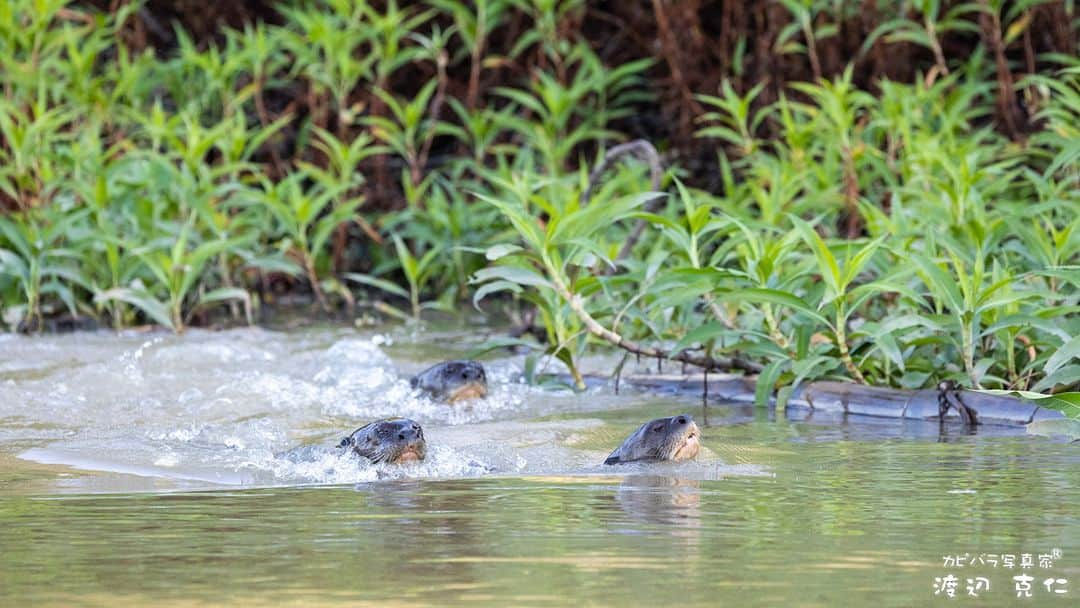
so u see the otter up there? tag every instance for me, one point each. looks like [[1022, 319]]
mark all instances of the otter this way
[[393, 441], [452, 381], [674, 438]]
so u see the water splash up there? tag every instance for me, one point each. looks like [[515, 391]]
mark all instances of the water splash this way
[[220, 406]]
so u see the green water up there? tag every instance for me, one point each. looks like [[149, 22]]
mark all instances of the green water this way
[[842, 516], [143, 469]]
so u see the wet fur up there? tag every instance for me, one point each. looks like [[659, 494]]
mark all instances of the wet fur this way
[[453, 381], [379, 442], [646, 444]]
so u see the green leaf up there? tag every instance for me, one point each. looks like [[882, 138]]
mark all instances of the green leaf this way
[[827, 265], [493, 287], [812, 368], [1021, 321], [497, 251], [514, 274], [377, 283], [525, 224], [767, 379], [12, 264], [1068, 352], [583, 222], [854, 265], [1068, 375], [408, 263], [1065, 273], [326, 225], [773, 296], [701, 335], [225, 294], [272, 263], [140, 299], [941, 284]]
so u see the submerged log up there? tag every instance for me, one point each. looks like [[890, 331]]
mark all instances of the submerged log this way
[[852, 399]]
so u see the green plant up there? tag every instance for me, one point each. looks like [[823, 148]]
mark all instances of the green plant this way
[[33, 252], [175, 265], [806, 15], [932, 21], [327, 49], [737, 124], [566, 115], [473, 23], [30, 162], [306, 217], [410, 128]]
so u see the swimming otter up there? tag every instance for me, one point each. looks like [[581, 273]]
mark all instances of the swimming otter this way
[[452, 381], [393, 441], [674, 438]]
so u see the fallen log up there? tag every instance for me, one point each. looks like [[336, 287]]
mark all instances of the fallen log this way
[[851, 399]]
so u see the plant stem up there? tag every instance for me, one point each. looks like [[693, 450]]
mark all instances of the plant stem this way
[[811, 50], [969, 353], [775, 334], [309, 268], [594, 327], [1010, 357], [1006, 98], [935, 46], [841, 344], [436, 108], [720, 314], [177, 316]]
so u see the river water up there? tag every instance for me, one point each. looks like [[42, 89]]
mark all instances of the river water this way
[[149, 468]]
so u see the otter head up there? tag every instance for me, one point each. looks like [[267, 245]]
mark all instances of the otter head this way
[[674, 438], [453, 381], [393, 441]]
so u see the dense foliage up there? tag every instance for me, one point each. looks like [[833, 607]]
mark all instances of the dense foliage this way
[[891, 232]]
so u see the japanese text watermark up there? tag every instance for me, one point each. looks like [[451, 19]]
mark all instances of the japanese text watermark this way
[[1023, 574]]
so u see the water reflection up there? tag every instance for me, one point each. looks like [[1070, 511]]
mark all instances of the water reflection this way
[[886, 510], [774, 512], [661, 499]]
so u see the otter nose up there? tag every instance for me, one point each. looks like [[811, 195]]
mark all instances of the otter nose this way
[[472, 372]]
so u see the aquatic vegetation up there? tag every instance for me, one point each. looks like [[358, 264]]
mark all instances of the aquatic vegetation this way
[[914, 226], [37, 263], [942, 285]]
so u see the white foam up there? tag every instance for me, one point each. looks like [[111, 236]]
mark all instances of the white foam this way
[[219, 407]]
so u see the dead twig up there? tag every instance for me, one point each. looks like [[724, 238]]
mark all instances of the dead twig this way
[[594, 327]]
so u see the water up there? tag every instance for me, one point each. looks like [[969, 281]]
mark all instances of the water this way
[[146, 468]]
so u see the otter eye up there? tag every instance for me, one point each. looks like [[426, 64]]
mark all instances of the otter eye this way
[[657, 428]]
